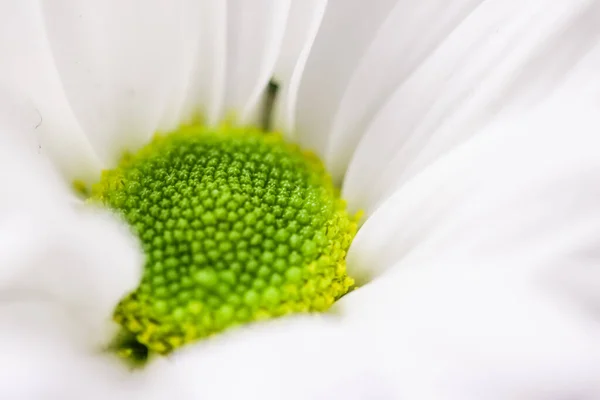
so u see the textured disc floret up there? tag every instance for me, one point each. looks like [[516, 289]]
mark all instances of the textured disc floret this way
[[237, 225]]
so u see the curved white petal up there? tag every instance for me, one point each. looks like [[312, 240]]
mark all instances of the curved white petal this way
[[491, 257], [27, 71], [43, 360], [53, 250], [84, 262], [491, 282], [26, 174], [411, 32], [255, 32], [465, 328], [302, 26], [503, 58], [291, 358], [119, 62], [347, 28], [524, 185], [204, 76]]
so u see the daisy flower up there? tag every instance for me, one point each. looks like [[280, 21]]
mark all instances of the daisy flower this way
[[299, 199]]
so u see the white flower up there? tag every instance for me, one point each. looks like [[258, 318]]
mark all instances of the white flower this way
[[468, 130]]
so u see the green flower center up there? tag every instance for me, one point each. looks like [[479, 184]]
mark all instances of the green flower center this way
[[237, 226]]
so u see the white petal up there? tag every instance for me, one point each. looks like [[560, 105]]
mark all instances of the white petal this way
[[42, 361], [411, 32], [26, 174], [204, 85], [61, 274], [292, 358], [303, 23], [493, 282], [254, 34], [86, 262], [504, 57], [470, 329], [522, 188], [493, 287], [55, 249], [347, 28], [27, 71], [119, 62]]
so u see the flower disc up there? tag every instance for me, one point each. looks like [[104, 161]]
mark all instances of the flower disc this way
[[237, 225]]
